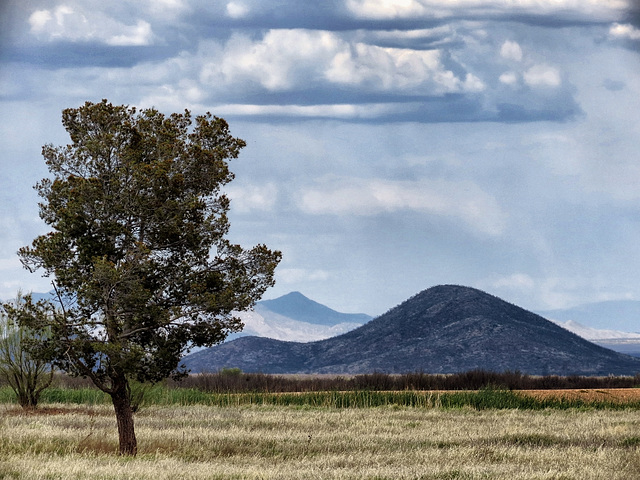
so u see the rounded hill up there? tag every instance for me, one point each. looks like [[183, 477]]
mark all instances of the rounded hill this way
[[444, 329]]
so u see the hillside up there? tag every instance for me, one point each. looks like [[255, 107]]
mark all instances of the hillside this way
[[443, 329]]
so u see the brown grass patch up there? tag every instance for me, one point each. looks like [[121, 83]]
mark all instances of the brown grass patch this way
[[15, 411], [616, 395]]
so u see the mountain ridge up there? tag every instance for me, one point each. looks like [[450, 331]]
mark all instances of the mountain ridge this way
[[294, 317], [444, 329], [296, 305]]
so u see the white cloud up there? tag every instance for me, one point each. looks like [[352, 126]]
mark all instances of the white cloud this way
[[390, 9], [625, 31], [342, 111], [39, 19], [298, 275], [542, 76], [237, 10], [461, 200], [76, 25], [553, 292], [285, 59], [511, 51], [281, 59], [509, 78], [167, 5], [386, 9], [397, 68], [253, 197], [518, 281], [137, 35]]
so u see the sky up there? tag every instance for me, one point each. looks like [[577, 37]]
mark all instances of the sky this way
[[391, 145]]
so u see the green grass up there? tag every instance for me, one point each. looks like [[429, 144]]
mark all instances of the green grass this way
[[483, 399]]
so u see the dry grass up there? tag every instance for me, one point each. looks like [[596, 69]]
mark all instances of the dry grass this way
[[612, 395], [197, 442]]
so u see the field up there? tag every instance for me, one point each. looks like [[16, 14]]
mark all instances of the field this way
[[256, 440]]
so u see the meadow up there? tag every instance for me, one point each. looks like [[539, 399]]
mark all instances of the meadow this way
[[62, 441], [186, 433]]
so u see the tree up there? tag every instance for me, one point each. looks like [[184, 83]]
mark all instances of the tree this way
[[138, 252], [26, 374]]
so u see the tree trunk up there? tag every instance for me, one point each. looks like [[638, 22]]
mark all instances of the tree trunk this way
[[121, 399]]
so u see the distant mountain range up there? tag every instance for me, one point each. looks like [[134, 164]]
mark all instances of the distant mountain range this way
[[618, 315], [294, 317], [612, 324], [444, 329]]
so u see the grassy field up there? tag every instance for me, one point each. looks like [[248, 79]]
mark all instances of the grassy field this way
[[79, 441]]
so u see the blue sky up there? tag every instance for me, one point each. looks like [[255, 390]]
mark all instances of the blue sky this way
[[391, 145]]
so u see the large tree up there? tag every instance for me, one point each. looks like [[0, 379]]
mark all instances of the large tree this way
[[138, 251]]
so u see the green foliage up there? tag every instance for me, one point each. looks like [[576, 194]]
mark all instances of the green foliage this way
[[25, 374], [138, 249]]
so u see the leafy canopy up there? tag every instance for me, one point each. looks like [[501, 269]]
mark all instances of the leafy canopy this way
[[138, 249]]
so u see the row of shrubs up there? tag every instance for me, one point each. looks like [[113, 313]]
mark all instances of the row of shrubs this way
[[235, 381]]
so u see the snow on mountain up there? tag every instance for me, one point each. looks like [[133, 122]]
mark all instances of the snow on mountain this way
[[278, 327], [594, 334], [296, 318]]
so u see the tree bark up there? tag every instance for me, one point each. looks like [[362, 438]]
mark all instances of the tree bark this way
[[121, 399]]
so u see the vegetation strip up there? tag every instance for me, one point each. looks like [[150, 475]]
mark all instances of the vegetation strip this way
[[483, 399]]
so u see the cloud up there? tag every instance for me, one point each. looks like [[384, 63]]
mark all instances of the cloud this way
[[237, 10], [511, 51], [553, 291], [624, 31], [259, 197], [280, 60], [542, 76], [518, 281], [586, 10], [460, 200], [509, 78], [137, 35], [397, 68], [66, 23], [293, 58], [295, 276]]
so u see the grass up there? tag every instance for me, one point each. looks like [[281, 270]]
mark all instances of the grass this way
[[486, 398], [189, 433], [64, 441]]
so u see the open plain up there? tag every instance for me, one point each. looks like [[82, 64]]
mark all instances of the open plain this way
[[64, 441]]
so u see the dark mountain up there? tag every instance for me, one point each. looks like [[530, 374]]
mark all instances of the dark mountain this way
[[444, 329], [296, 306]]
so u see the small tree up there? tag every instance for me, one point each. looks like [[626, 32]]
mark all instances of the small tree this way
[[26, 374], [138, 252]]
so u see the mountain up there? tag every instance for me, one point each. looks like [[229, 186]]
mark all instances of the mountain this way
[[620, 315], [294, 317], [612, 324], [444, 329], [595, 334], [297, 306]]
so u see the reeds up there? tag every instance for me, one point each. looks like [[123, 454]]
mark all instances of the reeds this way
[[483, 399]]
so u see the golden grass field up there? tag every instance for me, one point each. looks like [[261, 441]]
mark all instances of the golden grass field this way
[[266, 442], [615, 395]]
